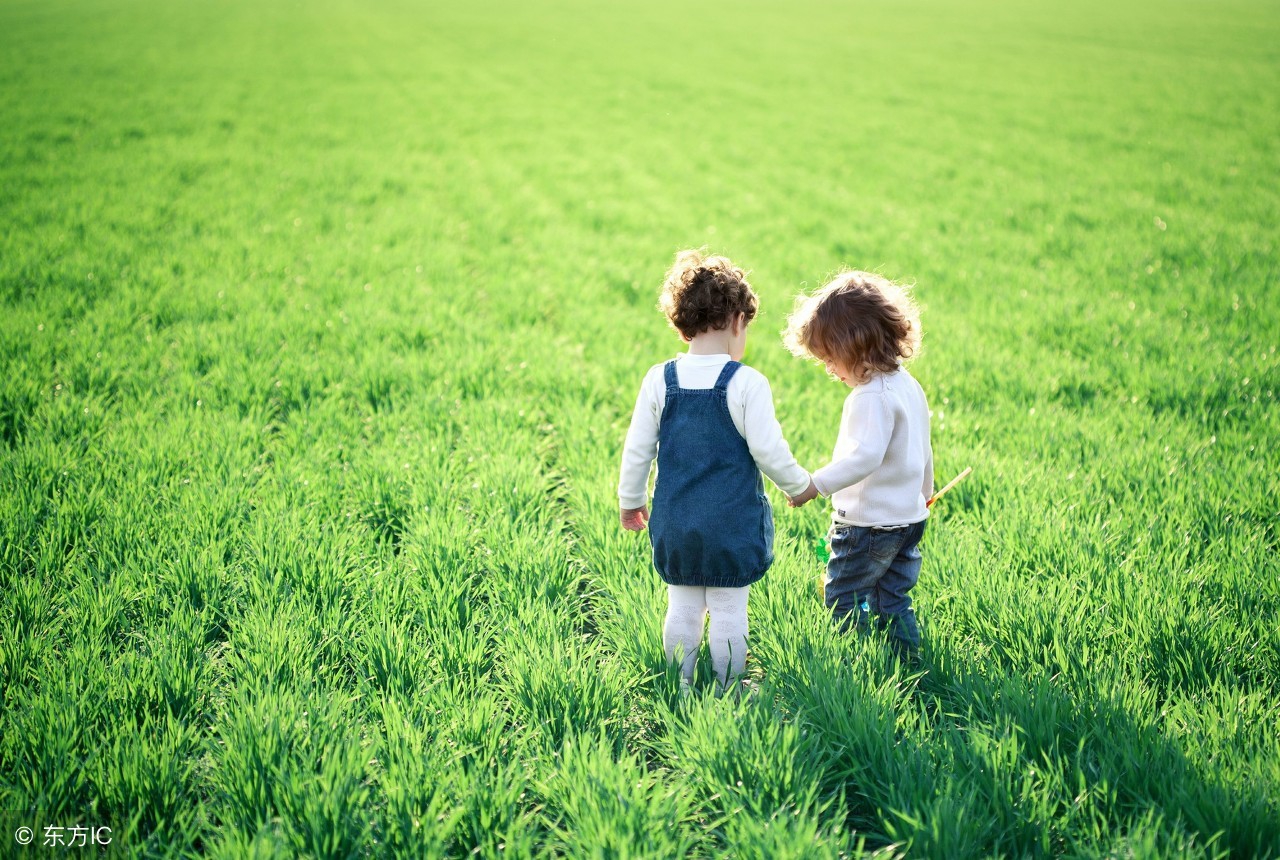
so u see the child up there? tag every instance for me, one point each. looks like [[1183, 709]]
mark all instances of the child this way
[[709, 420], [862, 326]]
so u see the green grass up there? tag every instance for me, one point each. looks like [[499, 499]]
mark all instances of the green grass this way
[[321, 328]]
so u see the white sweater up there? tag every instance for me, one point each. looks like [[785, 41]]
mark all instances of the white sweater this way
[[750, 405], [881, 472]]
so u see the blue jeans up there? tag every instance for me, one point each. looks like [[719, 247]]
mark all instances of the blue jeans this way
[[871, 571]]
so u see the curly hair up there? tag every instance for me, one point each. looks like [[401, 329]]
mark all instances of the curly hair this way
[[705, 293], [862, 320]]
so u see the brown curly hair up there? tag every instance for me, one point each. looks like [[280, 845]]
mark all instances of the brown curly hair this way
[[862, 320], [705, 293]]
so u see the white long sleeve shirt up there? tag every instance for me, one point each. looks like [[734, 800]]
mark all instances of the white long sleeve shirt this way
[[750, 403], [881, 473]]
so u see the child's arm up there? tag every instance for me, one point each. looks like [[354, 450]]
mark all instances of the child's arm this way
[[765, 441], [638, 453], [868, 425]]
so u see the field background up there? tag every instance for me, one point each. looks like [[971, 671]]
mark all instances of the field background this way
[[322, 323]]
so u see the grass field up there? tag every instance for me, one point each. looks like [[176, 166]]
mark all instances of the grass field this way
[[322, 323]]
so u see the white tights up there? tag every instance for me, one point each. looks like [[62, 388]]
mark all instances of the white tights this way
[[687, 606]]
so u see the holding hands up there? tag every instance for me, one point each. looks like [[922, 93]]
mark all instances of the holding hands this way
[[810, 493]]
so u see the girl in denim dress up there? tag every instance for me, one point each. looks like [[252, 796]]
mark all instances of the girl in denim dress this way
[[862, 327], [709, 421]]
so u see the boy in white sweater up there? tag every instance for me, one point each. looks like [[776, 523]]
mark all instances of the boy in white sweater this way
[[862, 326]]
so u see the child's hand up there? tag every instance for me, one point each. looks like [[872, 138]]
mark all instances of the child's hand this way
[[808, 495], [634, 520]]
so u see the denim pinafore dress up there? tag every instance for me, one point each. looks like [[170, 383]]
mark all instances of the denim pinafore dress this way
[[711, 523]]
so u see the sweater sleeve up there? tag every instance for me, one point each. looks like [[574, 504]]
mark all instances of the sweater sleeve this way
[[926, 488], [868, 423], [640, 449], [764, 439]]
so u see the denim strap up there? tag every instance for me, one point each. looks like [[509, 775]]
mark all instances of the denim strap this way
[[669, 374], [730, 368]]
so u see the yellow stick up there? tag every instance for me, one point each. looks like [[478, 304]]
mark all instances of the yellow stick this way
[[957, 479]]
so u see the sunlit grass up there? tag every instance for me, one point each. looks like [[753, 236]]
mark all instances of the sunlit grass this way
[[322, 326]]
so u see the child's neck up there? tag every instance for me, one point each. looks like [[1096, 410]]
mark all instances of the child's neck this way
[[710, 343], [871, 373]]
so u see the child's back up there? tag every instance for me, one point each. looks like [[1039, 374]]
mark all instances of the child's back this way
[[884, 428], [711, 524]]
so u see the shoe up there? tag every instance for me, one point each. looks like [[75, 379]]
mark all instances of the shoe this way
[[908, 655]]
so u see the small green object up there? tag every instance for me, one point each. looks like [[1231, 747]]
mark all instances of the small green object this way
[[822, 549]]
